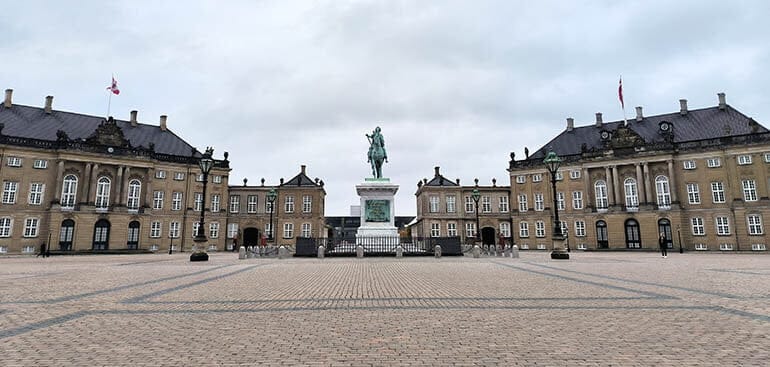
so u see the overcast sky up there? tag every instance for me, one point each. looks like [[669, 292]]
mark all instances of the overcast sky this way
[[456, 84]]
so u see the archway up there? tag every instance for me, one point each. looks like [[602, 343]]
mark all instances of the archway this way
[[488, 235], [250, 237], [101, 235], [664, 226], [66, 234]]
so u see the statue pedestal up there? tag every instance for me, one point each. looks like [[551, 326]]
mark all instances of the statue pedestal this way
[[377, 211]]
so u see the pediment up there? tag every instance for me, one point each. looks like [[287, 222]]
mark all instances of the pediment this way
[[108, 133]]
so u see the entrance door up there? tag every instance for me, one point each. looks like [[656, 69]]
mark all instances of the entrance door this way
[[250, 237], [132, 242], [664, 226], [633, 238], [602, 240], [101, 235], [488, 236], [65, 235]]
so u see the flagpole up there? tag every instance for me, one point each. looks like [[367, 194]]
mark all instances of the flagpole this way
[[109, 101], [622, 103]]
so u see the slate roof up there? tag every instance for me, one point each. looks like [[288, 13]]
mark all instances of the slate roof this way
[[700, 124], [440, 180], [301, 180], [33, 123]]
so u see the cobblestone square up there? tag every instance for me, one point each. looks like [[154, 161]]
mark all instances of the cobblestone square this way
[[597, 309]]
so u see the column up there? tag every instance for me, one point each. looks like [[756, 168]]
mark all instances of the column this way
[[588, 189], [118, 188], [59, 179], [85, 187], [640, 186], [610, 191], [616, 187], [148, 194], [92, 184], [672, 181], [647, 185], [124, 186]]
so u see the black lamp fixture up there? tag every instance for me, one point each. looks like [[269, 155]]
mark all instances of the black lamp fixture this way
[[552, 163], [205, 164], [271, 196], [476, 195]]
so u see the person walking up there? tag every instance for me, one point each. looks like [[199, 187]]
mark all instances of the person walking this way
[[663, 242], [42, 250]]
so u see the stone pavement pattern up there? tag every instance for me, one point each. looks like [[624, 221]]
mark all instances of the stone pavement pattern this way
[[597, 309]]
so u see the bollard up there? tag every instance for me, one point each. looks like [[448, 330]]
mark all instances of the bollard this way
[[437, 251], [283, 252], [399, 251], [500, 250], [241, 253], [515, 252], [359, 251], [476, 251], [250, 252], [321, 251]]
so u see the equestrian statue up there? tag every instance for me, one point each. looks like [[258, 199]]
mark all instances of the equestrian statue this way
[[377, 153]]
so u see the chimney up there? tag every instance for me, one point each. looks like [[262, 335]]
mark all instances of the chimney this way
[[163, 122], [598, 119], [494, 182], [8, 95], [570, 123], [639, 116], [436, 169], [281, 180], [48, 104], [722, 101], [133, 118], [457, 180], [302, 169], [682, 107]]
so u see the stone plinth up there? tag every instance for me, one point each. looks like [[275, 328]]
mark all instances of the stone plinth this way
[[377, 208]]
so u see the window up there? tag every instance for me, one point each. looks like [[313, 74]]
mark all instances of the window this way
[[523, 229], [40, 164], [537, 177], [451, 229], [525, 246], [176, 200], [767, 157], [251, 204], [580, 228], [197, 201], [523, 207], [470, 229], [307, 203], [689, 164], [435, 229], [36, 193], [103, 193], [582, 246], [713, 162], [30, 227], [269, 206], [505, 229], [155, 229], [134, 193], [559, 176], [14, 162], [701, 247], [469, 204], [633, 237], [235, 203], [693, 193], [269, 230], [749, 190], [725, 247], [541, 246], [744, 159], [232, 230], [540, 229], [520, 179], [754, 222], [306, 230], [450, 204], [132, 240], [632, 195], [173, 230], [3, 249], [157, 200], [577, 200], [662, 189], [216, 179], [199, 177], [6, 223], [9, 192], [433, 204], [539, 204], [602, 239], [758, 247], [486, 204], [288, 230], [194, 231], [600, 188], [160, 174], [504, 204], [560, 200], [698, 228], [288, 204], [717, 192], [215, 200], [28, 249], [214, 229], [723, 226], [574, 174], [179, 176], [69, 191]]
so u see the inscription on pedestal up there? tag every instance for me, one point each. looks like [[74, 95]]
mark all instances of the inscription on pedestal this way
[[377, 211]]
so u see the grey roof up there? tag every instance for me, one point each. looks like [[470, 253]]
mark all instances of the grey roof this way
[[440, 180], [33, 123], [301, 180], [701, 124]]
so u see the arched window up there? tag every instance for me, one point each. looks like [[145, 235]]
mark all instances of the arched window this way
[[134, 191], [101, 235], [632, 194], [102, 193], [66, 233], [69, 191], [663, 191], [600, 188], [602, 241], [133, 235], [664, 226], [633, 238]]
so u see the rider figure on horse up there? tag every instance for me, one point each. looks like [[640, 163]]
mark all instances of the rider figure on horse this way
[[377, 152]]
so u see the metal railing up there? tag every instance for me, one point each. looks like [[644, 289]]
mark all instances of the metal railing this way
[[378, 246]]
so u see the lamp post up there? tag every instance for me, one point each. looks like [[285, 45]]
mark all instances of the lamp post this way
[[552, 163], [271, 195], [679, 234], [205, 164], [476, 195]]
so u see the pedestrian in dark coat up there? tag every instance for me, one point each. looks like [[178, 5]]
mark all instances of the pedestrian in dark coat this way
[[663, 242]]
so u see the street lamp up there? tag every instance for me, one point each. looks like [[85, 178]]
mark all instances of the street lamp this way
[[476, 195], [271, 195], [205, 164], [552, 163], [679, 234]]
